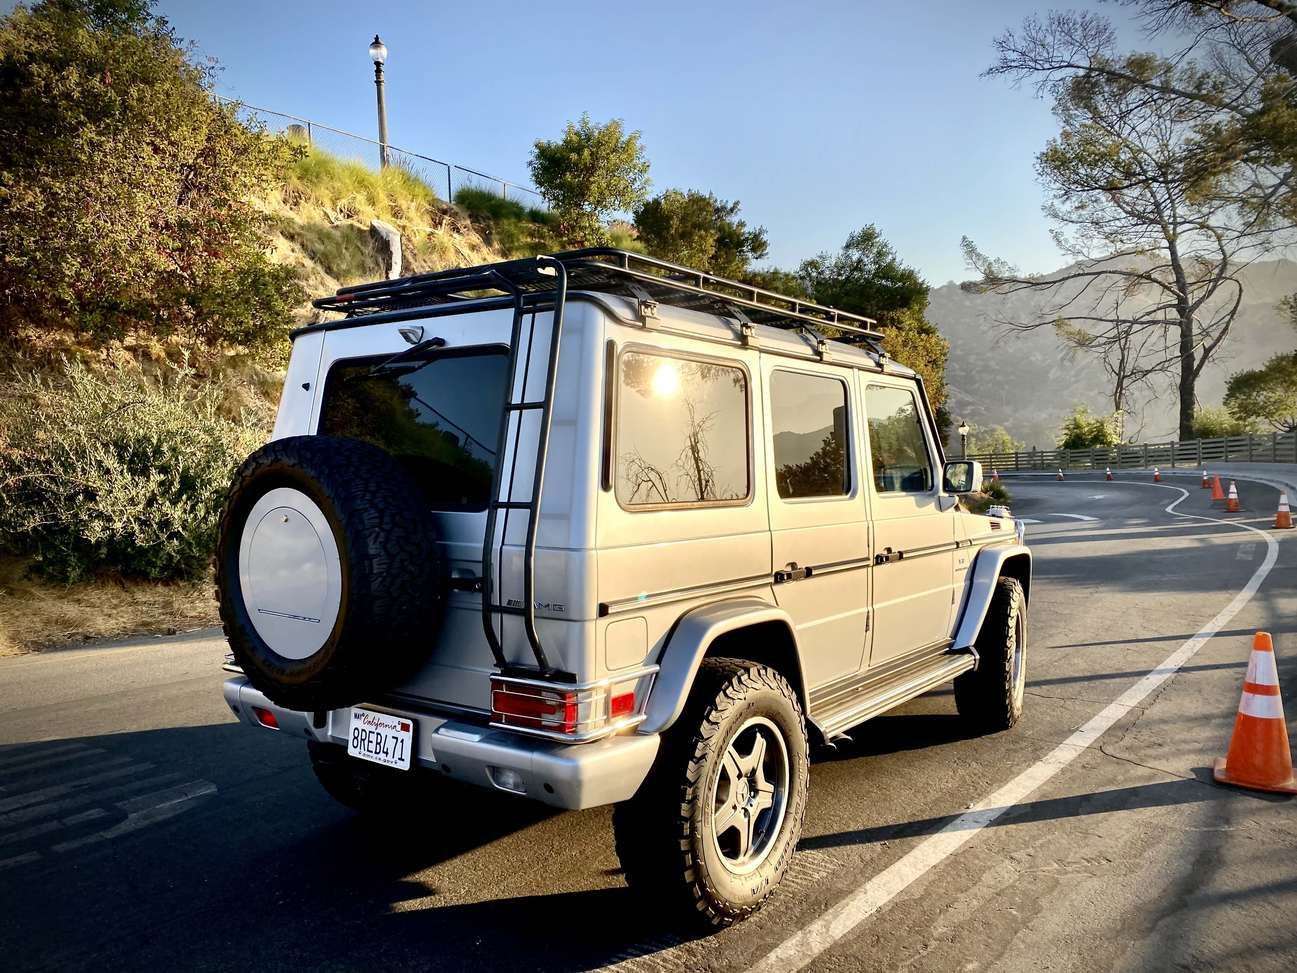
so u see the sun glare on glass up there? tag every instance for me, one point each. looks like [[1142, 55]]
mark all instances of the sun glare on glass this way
[[666, 381]]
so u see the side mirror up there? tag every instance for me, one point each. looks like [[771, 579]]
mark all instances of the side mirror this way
[[963, 476]]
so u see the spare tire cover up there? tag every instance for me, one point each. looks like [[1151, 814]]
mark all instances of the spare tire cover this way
[[329, 576]]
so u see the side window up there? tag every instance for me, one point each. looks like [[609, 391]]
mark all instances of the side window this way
[[682, 432], [897, 446], [808, 424]]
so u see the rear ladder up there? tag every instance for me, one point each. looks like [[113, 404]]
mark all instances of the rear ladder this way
[[502, 488]]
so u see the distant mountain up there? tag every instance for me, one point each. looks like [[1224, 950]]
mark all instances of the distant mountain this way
[[1029, 382], [798, 447]]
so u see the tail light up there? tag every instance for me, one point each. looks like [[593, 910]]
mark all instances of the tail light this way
[[265, 717], [576, 712]]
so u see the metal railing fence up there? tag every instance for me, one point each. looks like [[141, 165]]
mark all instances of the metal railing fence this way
[[348, 145], [1273, 448]]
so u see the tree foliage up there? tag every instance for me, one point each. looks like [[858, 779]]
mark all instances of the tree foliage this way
[[992, 439], [699, 230], [1169, 174], [866, 277], [1267, 394], [1215, 422], [126, 193], [1082, 429], [590, 173]]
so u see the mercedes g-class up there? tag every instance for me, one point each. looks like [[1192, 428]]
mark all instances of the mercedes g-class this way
[[597, 529]]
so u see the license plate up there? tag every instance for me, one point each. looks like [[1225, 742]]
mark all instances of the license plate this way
[[381, 737]]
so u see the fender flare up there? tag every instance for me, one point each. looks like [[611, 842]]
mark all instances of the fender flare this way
[[687, 644], [987, 568]]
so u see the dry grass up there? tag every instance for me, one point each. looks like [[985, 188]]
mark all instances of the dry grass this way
[[35, 614]]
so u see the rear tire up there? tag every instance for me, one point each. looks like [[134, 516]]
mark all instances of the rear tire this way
[[714, 827], [990, 697]]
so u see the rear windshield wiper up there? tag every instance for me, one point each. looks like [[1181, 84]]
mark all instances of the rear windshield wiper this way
[[402, 357]]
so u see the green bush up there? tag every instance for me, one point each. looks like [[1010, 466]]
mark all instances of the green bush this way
[[128, 193], [1084, 430], [108, 473], [516, 229]]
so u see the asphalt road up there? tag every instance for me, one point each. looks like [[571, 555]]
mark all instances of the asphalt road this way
[[141, 828]]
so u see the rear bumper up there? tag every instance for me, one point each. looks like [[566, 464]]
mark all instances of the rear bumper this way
[[569, 776]]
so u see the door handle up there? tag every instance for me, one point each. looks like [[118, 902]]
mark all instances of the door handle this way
[[887, 556], [791, 572]]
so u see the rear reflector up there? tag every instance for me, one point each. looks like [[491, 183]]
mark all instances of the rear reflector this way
[[621, 705], [265, 717]]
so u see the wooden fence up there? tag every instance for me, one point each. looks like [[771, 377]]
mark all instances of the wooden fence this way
[[1275, 448]]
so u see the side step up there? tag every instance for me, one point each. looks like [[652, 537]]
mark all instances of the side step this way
[[873, 696]]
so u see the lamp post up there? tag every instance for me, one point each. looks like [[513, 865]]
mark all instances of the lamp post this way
[[963, 439], [378, 54]]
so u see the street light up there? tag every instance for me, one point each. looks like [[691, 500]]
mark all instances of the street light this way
[[963, 439], [378, 54]]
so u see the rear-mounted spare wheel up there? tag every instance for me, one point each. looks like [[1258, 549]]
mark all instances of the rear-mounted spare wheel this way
[[328, 572]]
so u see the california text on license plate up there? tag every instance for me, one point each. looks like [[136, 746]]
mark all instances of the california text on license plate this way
[[381, 737]]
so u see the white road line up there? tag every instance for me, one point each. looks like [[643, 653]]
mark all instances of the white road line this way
[[48, 809], [45, 827], [10, 758], [175, 802], [23, 859], [1074, 516], [123, 766], [802, 947]]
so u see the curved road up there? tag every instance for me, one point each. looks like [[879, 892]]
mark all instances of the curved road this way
[[141, 827]]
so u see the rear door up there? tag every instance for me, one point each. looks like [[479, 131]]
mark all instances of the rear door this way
[[438, 413], [914, 537], [819, 533]]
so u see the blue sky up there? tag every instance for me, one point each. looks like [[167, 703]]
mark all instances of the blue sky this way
[[819, 117]]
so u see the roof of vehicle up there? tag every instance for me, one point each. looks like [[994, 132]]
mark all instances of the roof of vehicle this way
[[646, 280]]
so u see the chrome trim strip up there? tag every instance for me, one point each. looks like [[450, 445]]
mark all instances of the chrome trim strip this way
[[682, 594]]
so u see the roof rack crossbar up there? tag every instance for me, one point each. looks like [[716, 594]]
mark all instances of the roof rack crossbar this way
[[600, 269]]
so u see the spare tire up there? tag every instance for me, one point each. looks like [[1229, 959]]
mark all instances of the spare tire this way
[[328, 573]]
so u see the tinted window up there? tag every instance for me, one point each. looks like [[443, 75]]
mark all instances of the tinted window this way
[[809, 431], [896, 444], [682, 431], [439, 415]]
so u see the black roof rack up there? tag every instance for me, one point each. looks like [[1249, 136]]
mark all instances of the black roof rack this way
[[601, 269]]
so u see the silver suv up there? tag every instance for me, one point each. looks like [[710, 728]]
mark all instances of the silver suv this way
[[598, 529]]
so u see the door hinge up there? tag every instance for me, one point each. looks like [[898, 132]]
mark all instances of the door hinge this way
[[888, 556]]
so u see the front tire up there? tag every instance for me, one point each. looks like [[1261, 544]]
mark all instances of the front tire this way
[[714, 827], [990, 697]]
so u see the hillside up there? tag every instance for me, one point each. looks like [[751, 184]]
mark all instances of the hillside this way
[[1028, 382]]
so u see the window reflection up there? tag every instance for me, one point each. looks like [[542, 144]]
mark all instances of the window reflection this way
[[682, 432], [897, 447], [809, 434]]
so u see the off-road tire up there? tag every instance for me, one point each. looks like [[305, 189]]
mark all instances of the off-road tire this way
[[362, 786], [392, 580], [663, 836], [989, 698]]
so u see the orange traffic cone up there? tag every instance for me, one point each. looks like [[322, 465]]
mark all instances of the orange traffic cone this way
[[1206, 483], [1108, 474], [1216, 492], [1157, 475], [1259, 757], [1283, 519], [1060, 474], [1231, 502]]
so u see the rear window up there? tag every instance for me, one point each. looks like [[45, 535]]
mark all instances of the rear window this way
[[439, 415]]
